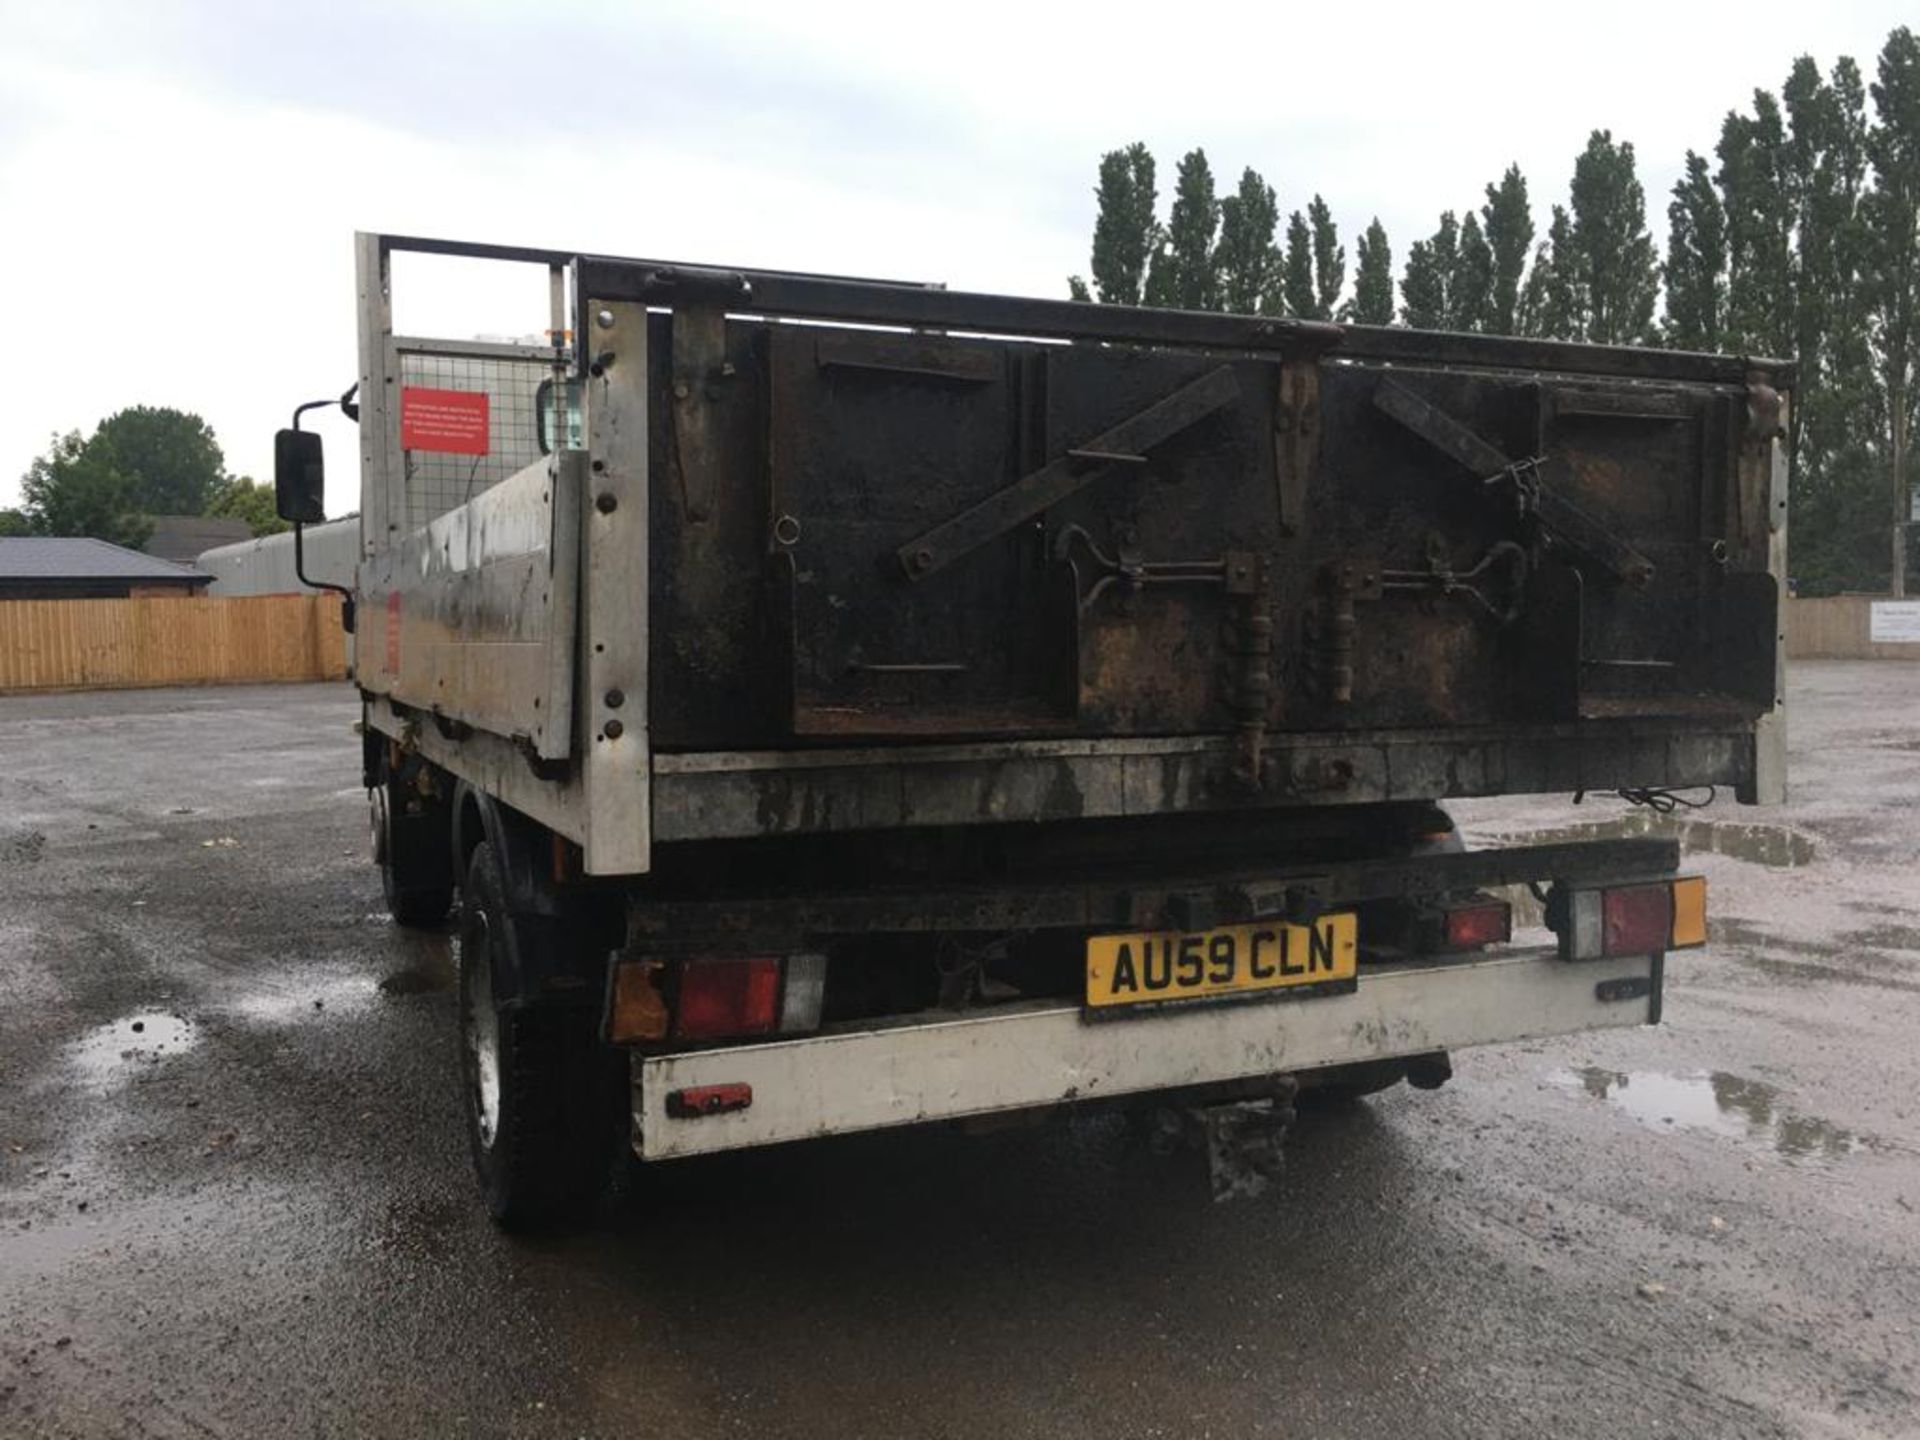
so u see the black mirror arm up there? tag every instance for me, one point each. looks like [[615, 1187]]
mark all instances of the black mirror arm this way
[[300, 571], [345, 402]]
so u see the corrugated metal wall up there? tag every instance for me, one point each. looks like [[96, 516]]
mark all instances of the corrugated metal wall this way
[[172, 640], [265, 566]]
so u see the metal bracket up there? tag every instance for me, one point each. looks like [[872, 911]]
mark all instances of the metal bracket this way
[[699, 367], [1296, 440], [1532, 483], [1124, 444], [1245, 578], [1241, 1139], [1237, 570], [1440, 580]]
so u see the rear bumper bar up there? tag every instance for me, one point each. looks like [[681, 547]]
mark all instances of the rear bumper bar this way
[[1050, 1054], [1298, 893]]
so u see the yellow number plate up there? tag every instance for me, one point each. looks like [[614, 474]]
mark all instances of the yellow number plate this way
[[1266, 955]]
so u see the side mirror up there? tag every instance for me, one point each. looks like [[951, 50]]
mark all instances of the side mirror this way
[[299, 477]]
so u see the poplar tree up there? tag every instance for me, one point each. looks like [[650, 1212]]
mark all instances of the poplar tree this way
[[1245, 259], [1181, 273], [1892, 234], [1426, 288], [1553, 302], [1615, 277], [1329, 260], [1470, 301], [1296, 281], [1372, 302], [1125, 232], [1507, 220], [1696, 267], [1753, 189]]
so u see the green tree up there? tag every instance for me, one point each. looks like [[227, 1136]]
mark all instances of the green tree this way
[[1834, 426], [1329, 260], [1125, 232], [1892, 248], [1077, 289], [75, 489], [13, 524], [1245, 259], [1696, 268], [1372, 302], [1507, 222], [1793, 183], [240, 498], [1426, 286], [1300, 297], [1753, 190], [169, 457], [1470, 303], [1551, 305], [1615, 278], [1181, 274]]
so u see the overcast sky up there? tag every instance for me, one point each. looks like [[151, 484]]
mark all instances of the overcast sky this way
[[179, 183]]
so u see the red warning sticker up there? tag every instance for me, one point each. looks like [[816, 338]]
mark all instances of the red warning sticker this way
[[453, 422]]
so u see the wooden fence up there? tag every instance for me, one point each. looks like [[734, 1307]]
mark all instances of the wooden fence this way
[[1839, 627], [169, 640]]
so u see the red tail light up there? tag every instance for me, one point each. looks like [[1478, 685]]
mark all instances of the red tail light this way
[[1637, 919], [1487, 922], [728, 997]]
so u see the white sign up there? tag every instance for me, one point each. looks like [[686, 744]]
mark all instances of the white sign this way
[[1895, 622]]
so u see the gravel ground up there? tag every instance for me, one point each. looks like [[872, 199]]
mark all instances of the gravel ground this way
[[235, 1200]]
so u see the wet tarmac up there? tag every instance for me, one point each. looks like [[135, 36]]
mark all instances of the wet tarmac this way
[[234, 1195]]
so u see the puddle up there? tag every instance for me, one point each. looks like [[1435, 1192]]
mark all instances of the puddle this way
[[1730, 1105], [294, 1000], [1759, 844], [115, 1051], [426, 968]]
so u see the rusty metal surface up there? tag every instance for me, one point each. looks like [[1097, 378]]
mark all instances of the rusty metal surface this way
[[971, 537], [884, 787], [1335, 565]]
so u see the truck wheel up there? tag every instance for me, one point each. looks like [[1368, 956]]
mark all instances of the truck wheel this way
[[535, 1077], [412, 879]]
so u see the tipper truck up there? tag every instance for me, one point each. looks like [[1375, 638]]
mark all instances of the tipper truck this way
[[836, 704]]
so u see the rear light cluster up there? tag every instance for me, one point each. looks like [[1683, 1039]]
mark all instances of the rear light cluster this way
[[1640, 919], [1485, 922], [719, 997]]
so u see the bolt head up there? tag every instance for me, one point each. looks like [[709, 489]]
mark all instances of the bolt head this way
[[614, 730], [604, 319], [605, 502]]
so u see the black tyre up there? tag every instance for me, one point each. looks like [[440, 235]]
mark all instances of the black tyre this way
[[539, 1086], [411, 853]]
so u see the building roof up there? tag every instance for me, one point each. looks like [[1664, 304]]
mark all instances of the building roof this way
[[47, 557], [182, 537]]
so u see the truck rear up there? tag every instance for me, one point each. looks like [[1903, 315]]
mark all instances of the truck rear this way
[[840, 704]]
